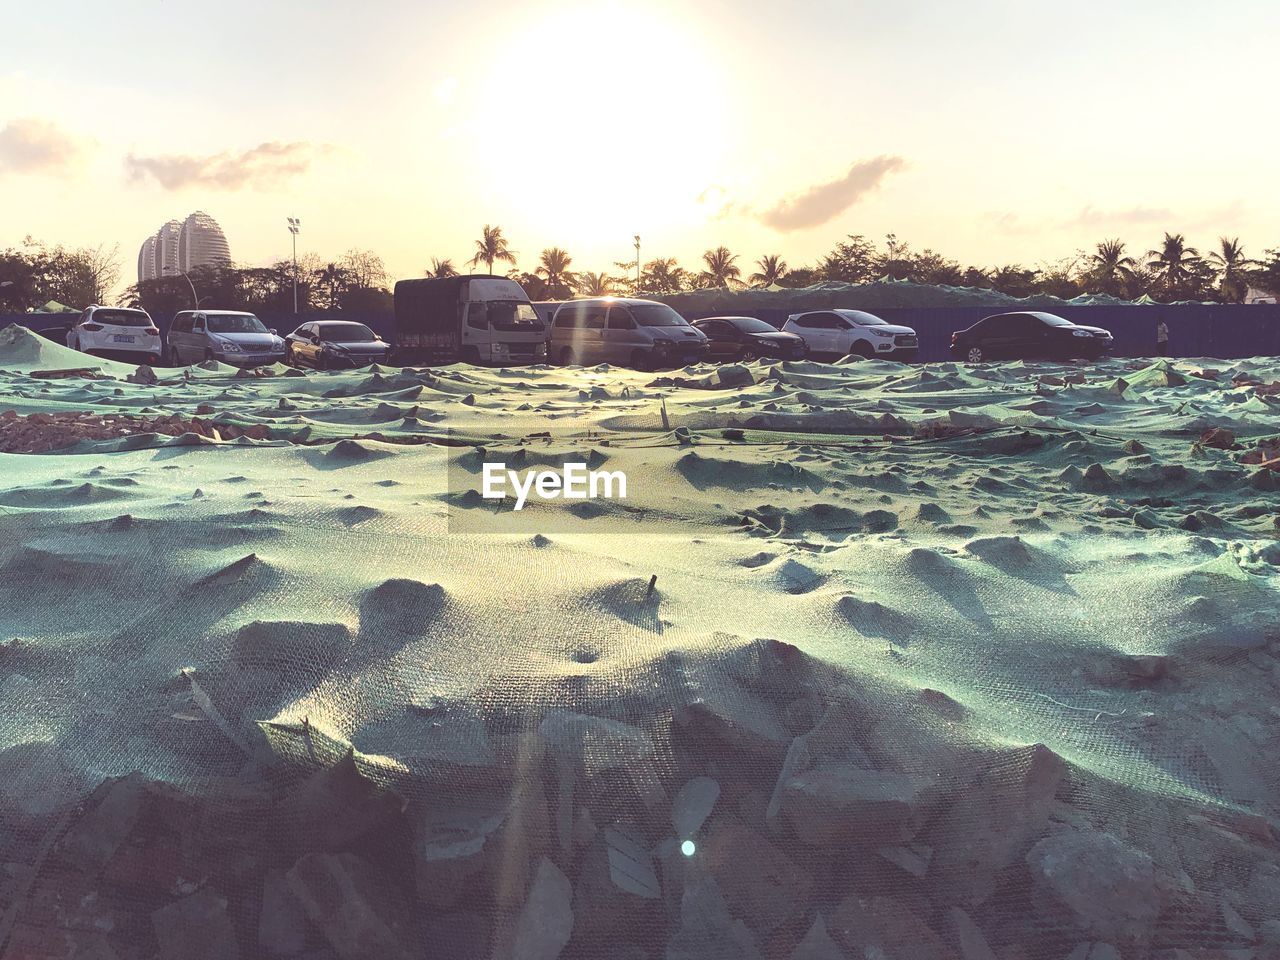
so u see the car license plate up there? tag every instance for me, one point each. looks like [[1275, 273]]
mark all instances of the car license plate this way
[[121, 338]]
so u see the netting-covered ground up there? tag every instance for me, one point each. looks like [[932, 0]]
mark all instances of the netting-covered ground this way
[[938, 662]]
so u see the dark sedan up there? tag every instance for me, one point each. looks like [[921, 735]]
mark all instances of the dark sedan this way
[[746, 338], [334, 345], [1032, 335]]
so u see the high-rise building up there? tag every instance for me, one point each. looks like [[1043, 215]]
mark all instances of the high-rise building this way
[[201, 243], [179, 247], [167, 249], [147, 259]]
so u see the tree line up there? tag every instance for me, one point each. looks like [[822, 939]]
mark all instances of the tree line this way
[[358, 281], [34, 273], [1170, 270]]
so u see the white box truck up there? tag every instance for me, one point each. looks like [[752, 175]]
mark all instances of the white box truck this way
[[475, 319]]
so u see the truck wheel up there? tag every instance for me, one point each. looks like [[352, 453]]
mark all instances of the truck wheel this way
[[566, 357], [470, 355]]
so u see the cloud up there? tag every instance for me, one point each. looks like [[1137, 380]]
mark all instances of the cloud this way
[[31, 145], [826, 201], [261, 166], [1089, 217]]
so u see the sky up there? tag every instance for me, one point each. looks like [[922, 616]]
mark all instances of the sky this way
[[992, 131]]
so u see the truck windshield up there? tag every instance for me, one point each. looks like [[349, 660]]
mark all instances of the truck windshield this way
[[657, 315], [505, 315]]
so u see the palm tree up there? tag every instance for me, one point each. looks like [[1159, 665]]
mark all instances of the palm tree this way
[[720, 267], [1111, 265], [1174, 264], [1230, 262], [772, 269], [553, 266], [663, 275], [441, 268], [333, 279], [492, 246], [595, 285]]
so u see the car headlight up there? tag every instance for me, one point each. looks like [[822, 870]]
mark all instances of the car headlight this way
[[881, 333], [1081, 333], [228, 346]]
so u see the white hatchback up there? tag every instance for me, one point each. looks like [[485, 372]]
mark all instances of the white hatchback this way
[[116, 333]]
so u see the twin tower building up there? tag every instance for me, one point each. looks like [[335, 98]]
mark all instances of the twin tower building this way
[[177, 248]]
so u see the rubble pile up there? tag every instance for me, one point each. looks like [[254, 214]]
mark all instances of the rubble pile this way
[[786, 811], [41, 432]]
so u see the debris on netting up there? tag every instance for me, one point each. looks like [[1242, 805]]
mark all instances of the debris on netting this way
[[41, 432], [1218, 438]]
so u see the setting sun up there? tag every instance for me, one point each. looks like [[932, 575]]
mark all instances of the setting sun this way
[[621, 101]]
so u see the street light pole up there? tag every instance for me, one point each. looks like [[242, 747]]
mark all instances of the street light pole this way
[[195, 301], [294, 226], [637, 264]]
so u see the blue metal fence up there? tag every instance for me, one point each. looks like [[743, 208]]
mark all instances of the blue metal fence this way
[[1227, 331]]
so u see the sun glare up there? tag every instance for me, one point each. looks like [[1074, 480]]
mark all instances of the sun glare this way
[[618, 101]]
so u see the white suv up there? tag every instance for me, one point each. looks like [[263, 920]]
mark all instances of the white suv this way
[[116, 333], [837, 333]]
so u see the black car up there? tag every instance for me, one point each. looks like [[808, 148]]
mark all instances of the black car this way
[[1031, 335], [746, 338], [334, 345]]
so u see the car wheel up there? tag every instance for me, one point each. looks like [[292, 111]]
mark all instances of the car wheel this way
[[208, 355], [975, 355], [749, 355], [863, 349], [566, 357], [171, 357], [640, 360]]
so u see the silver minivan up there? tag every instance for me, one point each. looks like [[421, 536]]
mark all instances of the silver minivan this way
[[625, 331], [231, 336]]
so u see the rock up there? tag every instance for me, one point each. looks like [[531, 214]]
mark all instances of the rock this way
[[885, 928], [973, 945], [196, 928], [760, 885], [734, 375], [837, 803], [282, 924], [206, 409], [1218, 437], [93, 839], [496, 837], [692, 805], [992, 822], [356, 908], [913, 858], [458, 936], [1096, 884], [1094, 951], [596, 744], [144, 374], [617, 891], [706, 931], [817, 944], [746, 731], [336, 806], [545, 922]]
